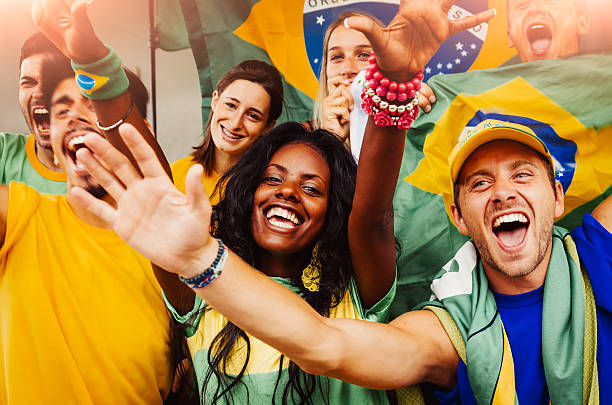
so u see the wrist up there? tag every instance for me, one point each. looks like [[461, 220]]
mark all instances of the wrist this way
[[389, 102], [93, 54], [203, 259], [102, 79], [401, 76]]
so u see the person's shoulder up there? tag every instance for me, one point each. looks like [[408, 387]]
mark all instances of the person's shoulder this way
[[13, 136], [10, 138]]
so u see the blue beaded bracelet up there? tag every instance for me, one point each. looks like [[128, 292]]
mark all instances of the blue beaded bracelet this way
[[211, 273]]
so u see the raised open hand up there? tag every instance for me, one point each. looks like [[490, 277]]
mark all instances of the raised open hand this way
[[66, 24], [166, 226], [414, 35]]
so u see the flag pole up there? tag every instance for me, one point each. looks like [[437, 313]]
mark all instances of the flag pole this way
[[153, 45]]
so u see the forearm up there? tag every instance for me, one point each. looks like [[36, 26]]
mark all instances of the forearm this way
[[379, 165], [365, 353], [111, 111], [380, 159], [177, 293]]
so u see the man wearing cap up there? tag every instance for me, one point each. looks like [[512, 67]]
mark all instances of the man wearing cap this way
[[521, 314]]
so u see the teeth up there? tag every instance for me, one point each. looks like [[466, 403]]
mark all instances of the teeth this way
[[76, 141], [504, 219], [536, 26], [41, 110], [229, 134], [281, 224], [282, 213]]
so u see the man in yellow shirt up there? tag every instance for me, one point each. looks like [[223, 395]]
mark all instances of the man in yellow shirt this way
[[82, 319]]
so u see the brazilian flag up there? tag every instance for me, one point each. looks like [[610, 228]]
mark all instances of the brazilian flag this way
[[223, 33], [565, 101]]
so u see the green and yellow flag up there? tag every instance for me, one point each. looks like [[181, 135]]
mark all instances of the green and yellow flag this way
[[223, 33], [565, 101]]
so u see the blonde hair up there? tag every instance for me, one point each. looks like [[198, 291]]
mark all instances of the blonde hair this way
[[322, 93]]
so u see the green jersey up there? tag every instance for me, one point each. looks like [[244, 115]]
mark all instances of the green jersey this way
[[18, 162]]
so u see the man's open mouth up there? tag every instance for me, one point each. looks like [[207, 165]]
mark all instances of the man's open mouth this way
[[40, 115], [72, 144], [540, 38], [510, 229], [283, 217]]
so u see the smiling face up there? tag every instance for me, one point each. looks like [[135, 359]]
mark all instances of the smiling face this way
[[290, 205], [72, 117], [508, 207], [31, 97], [544, 29], [239, 116], [348, 51]]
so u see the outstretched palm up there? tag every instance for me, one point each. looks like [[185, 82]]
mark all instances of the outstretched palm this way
[[415, 34], [163, 224]]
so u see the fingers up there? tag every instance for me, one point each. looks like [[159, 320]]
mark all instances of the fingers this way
[[374, 33], [345, 93], [38, 11], [80, 17], [338, 81], [116, 162], [194, 189], [428, 92], [470, 22], [143, 153], [426, 97], [340, 96], [99, 208], [103, 177]]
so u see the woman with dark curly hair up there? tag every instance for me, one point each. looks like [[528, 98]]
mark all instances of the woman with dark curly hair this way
[[295, 208], [285, 209]]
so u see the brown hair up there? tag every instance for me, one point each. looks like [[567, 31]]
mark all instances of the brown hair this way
[[256, 71], [322, 93]]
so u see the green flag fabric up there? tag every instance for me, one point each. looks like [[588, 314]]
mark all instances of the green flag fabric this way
[[565, 101], [210, 27], [567, 351]]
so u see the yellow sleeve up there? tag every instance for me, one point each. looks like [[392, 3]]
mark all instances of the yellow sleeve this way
[[23, 201]]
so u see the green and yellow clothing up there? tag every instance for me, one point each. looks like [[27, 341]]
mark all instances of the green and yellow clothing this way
[[179, 172], [18, 162], [263, 367], [82, 318]]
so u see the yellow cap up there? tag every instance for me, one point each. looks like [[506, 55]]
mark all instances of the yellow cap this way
[[487, 131], [492, 130]]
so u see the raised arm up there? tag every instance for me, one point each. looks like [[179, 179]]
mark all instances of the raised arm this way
[[171, 229], [403, 48], [66, 24]]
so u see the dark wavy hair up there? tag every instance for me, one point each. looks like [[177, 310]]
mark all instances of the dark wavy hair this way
[[256, 71], [232, 219]]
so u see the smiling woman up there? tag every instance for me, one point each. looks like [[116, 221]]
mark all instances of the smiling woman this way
[[285, 209], [246, 103]]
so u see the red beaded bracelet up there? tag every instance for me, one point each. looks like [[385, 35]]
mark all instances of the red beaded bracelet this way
[[379, 92]]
